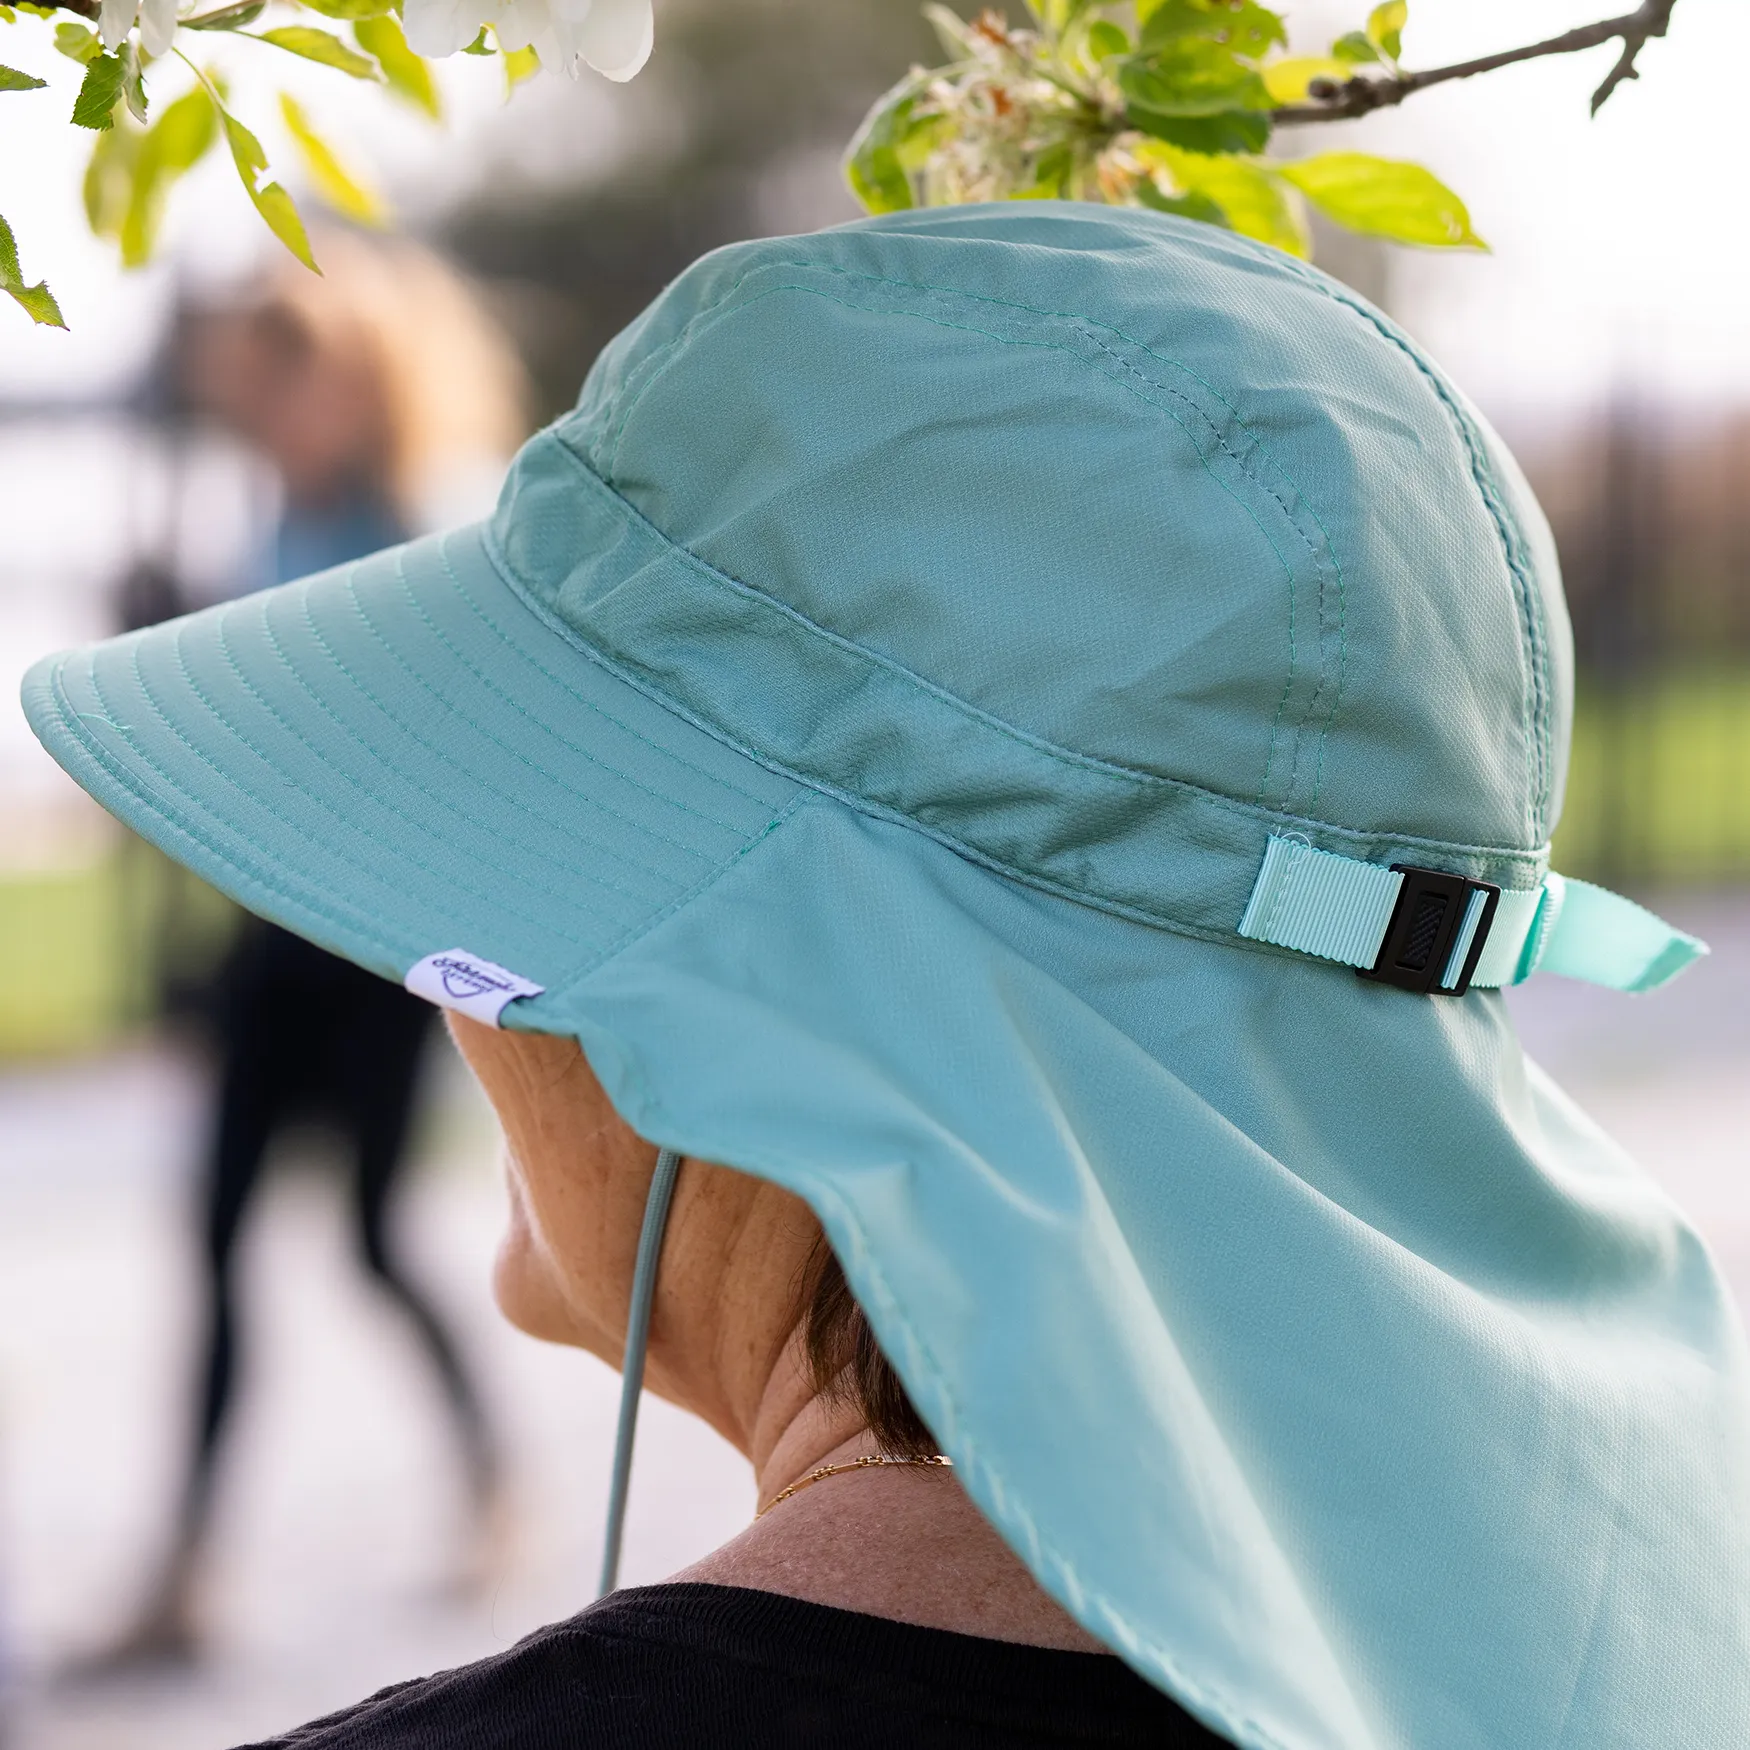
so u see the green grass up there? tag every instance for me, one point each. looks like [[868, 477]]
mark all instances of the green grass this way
[[83, 948], [61, 942], [1659, 788]]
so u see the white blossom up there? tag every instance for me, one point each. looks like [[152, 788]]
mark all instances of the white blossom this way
[[612, 36], [115, 18]]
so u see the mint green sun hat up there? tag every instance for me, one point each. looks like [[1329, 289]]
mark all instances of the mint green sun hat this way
[[1037, 727]]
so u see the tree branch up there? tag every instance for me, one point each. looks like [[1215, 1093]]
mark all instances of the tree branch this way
[[1339, 100]]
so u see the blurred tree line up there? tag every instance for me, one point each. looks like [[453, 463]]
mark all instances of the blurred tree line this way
[[1651, 513]]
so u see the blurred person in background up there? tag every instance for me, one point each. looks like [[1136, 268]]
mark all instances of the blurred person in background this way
[[386, 401]]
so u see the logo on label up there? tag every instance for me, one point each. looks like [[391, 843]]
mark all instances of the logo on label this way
[[456, 979]]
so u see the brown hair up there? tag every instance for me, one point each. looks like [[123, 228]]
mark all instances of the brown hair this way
[[846, 1364]]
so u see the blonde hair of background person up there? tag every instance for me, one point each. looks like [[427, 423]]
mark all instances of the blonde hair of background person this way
[[451, 397]]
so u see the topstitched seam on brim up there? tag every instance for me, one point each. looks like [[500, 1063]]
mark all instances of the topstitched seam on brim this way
[[374, 796], [444, 878], [443, 801], [722, 307], [321, 906], [1534, 860], [583, 699], [473, 724], [569, 791], [320, 900]]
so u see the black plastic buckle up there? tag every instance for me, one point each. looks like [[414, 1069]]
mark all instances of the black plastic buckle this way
[[1424, 924]]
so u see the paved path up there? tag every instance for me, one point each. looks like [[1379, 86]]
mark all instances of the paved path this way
[[339, 1511]]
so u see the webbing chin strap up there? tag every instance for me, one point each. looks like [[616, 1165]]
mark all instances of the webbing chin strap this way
[[1431, 931], [668, 1167]]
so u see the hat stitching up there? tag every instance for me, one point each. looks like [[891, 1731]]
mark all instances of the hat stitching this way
[[712, 574], [588, 703], [1488, 488], [1089, 324], [91, 750], [546, 729], [1482, 476], [327, 807], [356, 923], [1247, 811], [721, 307], [501, 795], [320, 901], [1357, 842], [1004, 340], [563, 895]]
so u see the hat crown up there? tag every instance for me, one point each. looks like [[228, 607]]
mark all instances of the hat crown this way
[[1059, 530]]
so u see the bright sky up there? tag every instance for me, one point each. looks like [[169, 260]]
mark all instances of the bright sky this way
[[1618, 252]]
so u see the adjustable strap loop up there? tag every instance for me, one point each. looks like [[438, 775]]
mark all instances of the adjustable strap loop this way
[[1425, 929]]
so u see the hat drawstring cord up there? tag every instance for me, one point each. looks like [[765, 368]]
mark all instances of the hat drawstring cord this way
[[668, 1167]]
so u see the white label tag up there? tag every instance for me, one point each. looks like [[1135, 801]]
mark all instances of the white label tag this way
[[456, 979]]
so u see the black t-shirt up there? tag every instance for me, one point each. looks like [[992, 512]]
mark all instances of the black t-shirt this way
[[688, 1667]]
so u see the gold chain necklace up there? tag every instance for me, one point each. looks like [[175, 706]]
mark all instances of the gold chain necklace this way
[[868, 1462]]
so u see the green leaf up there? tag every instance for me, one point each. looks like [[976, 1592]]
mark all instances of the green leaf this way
[[1384, 197], [133, 84], [873, 166], [1189, 77], [519, 64], [37, 302], [1106, 39], [77, 43], [1052, 170], [1058, 16], [318, 45], [1385, 27], [102, 86], [1354, 48], [481, 45], [172, 146], [409, 77], [1288, 81], [1188, 206], [336, 185], [109, 178], [227, 17], [271, 201], [13, 80], [952, 31], [1249, 194], [1240, 130], [351, 9], [1243, 26]]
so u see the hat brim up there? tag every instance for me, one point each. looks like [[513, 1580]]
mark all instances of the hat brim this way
[[401, 756], [1161, 1233]]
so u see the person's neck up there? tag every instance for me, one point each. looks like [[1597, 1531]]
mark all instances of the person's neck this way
[[903, 1542]]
